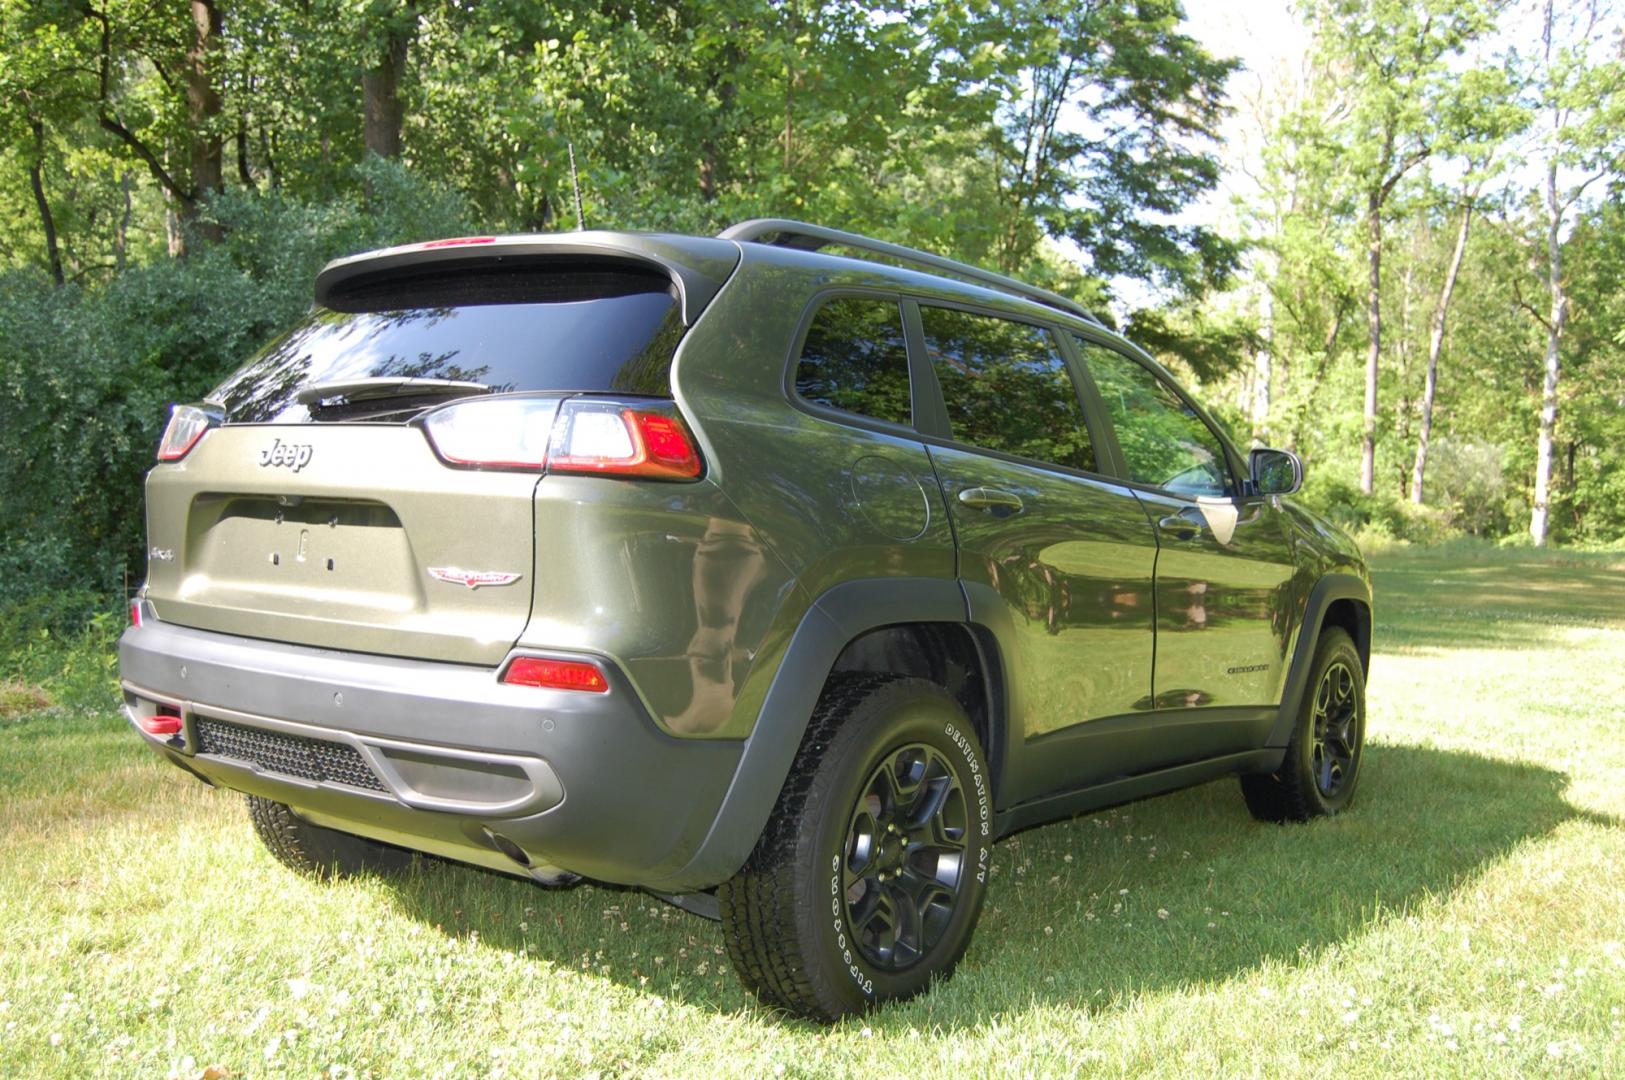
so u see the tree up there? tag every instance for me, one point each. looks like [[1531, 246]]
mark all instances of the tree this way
[[1481, 115], [1106, 134], [1392, 54], [1582, 106]]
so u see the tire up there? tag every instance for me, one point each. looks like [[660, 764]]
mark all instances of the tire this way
[[1321, 768], [868, 879], [324, 854]]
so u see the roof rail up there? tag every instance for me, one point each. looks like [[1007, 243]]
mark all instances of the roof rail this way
[[800, 235]]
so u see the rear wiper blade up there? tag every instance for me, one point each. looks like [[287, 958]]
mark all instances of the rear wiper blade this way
[[353, 390]]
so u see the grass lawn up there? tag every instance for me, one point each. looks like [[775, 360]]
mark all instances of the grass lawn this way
[[1467, 917]]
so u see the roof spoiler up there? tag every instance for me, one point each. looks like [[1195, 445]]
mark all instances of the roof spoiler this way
[[697, 267]]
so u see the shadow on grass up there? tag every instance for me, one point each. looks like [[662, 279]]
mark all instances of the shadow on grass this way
[[1063, 932], [1428, 604]]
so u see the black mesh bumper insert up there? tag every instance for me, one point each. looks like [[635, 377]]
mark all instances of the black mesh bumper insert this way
[[290, 755]]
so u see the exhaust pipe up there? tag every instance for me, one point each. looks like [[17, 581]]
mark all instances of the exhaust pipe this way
[[550, 876]]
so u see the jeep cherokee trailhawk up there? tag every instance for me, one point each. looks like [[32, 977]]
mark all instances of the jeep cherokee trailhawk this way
[[777, 581]]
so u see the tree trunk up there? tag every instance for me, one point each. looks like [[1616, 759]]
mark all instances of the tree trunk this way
[[121, 238], [1402, 350], [1373, 307], [1555, 321], [1328, 343], [1435, 347], [245, 174], [36, 180], [1264, 366], [203, 108], [382, 111]]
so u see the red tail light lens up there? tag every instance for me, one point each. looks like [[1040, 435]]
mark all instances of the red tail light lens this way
[[135, 613], [608, 437], [556, 674], [187, 424], [603, 436]]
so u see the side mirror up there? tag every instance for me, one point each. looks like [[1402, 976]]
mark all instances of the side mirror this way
[[1275, 472]]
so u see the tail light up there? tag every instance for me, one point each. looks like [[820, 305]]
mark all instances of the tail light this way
[[601, 436], [555, 674], [187, 424]]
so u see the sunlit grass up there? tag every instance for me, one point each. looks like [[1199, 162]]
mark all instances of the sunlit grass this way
[[1466, 918]]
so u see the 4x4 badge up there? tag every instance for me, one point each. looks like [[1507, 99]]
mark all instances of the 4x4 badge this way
[[472, 578]]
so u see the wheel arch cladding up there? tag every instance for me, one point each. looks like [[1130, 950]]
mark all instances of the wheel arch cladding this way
[[840, 617], [1341, 600], [1354, 616], [962, 659]]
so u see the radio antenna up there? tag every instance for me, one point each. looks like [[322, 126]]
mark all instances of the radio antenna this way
[[575, 185]]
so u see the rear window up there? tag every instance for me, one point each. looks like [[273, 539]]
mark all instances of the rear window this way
[[589, 328]]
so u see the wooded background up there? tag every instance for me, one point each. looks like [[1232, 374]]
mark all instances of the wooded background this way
[[1419, 289]]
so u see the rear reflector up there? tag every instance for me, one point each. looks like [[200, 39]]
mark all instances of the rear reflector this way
[[135, 613], [555, 674]]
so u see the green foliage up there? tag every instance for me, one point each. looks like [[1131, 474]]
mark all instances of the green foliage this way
[[87, 373], [59, 647]]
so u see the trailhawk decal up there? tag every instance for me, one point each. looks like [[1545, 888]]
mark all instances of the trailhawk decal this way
[[472, 579]]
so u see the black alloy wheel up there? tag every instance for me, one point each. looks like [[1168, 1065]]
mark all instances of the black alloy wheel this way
[[1321, 765], [905, 857], [1336, 731], [866, 884]]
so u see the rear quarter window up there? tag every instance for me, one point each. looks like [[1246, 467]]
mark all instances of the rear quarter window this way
[[576, 327], [855, 359]]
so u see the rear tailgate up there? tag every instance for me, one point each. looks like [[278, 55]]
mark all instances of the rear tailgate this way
[[318, 513], [343, 552]]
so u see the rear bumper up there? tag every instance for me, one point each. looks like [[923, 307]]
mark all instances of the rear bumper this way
[[438, 757]]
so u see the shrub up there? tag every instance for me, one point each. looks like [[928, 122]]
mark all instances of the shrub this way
[[87, 372]]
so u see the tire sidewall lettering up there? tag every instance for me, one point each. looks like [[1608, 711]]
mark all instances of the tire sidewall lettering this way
[[842, 943], [984, 802]]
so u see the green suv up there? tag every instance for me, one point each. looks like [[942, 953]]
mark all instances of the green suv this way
[[779, 581]]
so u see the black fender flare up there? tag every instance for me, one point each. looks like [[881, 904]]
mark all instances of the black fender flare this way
[[835, 618], [1330, 588]]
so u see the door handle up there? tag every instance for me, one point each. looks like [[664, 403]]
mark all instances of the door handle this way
[[986, 498], [1183, 525]]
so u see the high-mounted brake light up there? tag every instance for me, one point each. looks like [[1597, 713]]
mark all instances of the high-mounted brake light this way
[[457, 241], [556, 674], [600, 436], [187, 424]]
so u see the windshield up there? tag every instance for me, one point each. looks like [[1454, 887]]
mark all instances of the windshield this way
[[559, 330]]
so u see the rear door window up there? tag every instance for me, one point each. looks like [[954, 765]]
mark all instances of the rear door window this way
[[589, 328], [1007, 387], [855, 359], [1163, 440]]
